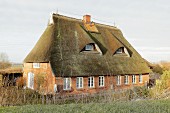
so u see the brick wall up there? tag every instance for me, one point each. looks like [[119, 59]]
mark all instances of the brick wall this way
[[44, 70], [110, 82]]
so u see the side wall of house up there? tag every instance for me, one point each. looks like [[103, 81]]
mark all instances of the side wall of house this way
[[44, 79], [47, 84], [110, 82]]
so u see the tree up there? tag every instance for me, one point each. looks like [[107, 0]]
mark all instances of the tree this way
[[3, 57], [4, 61], [157, 69], [164, 81]]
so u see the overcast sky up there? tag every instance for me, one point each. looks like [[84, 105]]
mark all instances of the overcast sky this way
[[144, 23]]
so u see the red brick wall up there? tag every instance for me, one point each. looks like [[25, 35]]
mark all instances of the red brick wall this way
[[44, 70], [110, 81]]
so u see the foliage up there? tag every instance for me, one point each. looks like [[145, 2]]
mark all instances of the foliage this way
[[28, 96], [164, 82], [157, 69], [20, 82], [40, 80], [142, 92], [162, 87], [10, 96]]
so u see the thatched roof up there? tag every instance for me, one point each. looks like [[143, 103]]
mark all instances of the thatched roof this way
[[61, 43], [11, 70]]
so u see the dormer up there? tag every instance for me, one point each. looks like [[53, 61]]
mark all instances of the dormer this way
[[122, 51], [91, 48]]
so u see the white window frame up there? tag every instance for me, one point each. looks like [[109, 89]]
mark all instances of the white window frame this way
[[89, 47], [101, 81], [36, 65], [118, 79], [126, 79], [140, 78], [91, 82], [55, 88], [67, 84], [133, 79], [79, 82], [30, 80]]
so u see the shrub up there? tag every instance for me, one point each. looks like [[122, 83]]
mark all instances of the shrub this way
[[164, 82], [20, 82]]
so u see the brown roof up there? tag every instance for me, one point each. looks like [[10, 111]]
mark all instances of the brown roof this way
[[61, 43], [11, 70]]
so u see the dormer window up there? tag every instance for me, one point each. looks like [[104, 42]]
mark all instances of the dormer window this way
[[89, 47], [120, 50]]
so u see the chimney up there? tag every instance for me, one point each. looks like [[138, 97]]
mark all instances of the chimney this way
[[87, 19]]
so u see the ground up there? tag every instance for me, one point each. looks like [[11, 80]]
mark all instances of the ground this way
[[140, 106]]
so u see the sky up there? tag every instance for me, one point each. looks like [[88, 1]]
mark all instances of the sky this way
[[144, 23]]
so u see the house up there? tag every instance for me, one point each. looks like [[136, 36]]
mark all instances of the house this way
[[80, 56]]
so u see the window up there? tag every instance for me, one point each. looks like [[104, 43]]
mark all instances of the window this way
[[31, 80], [133, 79], [89, 47], [126, 79], [120, 50], [91, 82], [36, 65], [140, 78], [79, 82], [67, 84], [55, 87], [101, 81], [118, 80]]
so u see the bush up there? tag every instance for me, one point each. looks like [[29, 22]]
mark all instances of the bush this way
[[20, 82], [162, 87], [14, 96]]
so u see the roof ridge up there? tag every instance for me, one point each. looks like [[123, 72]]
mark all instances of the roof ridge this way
[[80, 20]]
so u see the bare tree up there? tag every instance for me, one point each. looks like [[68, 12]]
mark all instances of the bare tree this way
[[4, 61], [3, 57]]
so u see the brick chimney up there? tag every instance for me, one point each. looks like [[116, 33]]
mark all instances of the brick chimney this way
[[87, 19]]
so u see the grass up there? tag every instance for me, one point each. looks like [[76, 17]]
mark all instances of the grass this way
[[142, 106]]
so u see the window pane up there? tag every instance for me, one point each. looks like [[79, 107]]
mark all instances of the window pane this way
[[133, 79], [81, 82], [140, 78], [64, 83], [101, 80], [77, 82], [89, 47], [118, 80], [67, 84], [89, 81], [126, 79], [36, 65]]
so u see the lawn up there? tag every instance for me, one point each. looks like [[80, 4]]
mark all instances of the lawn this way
[[146, 106]]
